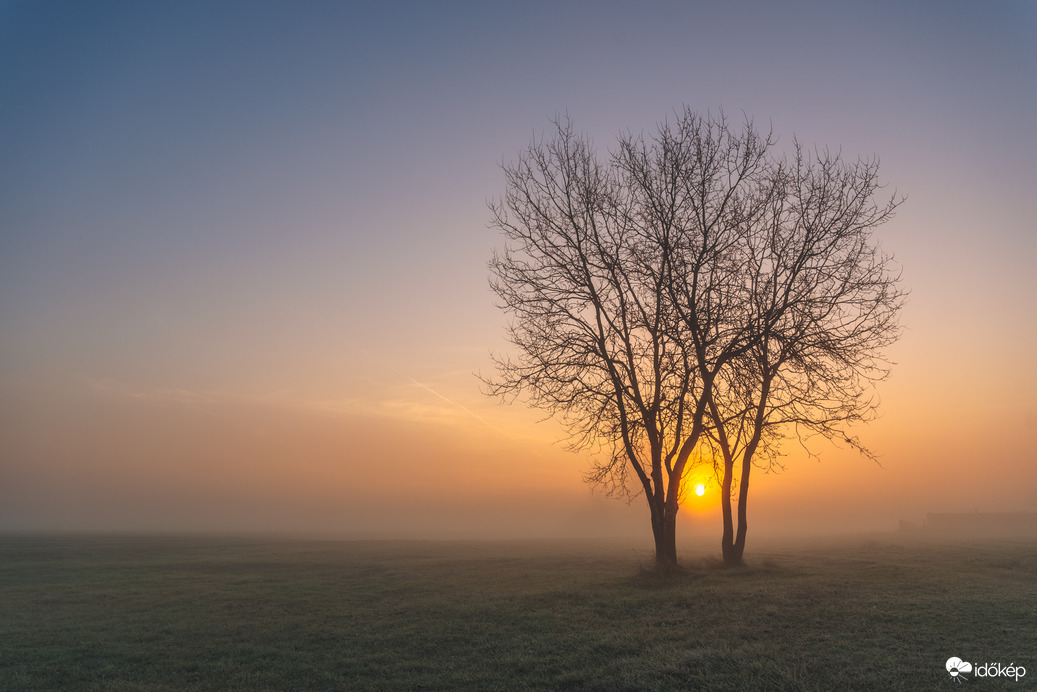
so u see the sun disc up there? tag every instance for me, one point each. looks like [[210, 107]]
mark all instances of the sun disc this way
[[700, 490]]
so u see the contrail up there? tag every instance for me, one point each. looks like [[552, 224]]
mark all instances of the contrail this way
[[473, 414], [450, 401], [467, 410]]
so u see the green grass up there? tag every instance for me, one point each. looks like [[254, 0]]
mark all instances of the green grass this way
[[122, 613]]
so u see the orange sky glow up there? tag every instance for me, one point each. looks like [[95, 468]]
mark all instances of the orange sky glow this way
[[243, 281]]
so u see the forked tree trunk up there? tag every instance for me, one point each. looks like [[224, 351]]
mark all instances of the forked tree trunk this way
[[733, 544]]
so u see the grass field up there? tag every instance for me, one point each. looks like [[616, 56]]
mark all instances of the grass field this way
[[124, 613]]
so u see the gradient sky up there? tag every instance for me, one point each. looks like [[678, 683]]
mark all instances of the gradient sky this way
[[243, 250]]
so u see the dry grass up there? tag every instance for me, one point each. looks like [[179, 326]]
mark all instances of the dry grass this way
[[201, 613]]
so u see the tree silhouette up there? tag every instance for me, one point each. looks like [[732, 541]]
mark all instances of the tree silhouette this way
[[691, 296]]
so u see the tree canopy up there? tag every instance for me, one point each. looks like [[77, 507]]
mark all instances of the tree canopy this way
[[695, 294]]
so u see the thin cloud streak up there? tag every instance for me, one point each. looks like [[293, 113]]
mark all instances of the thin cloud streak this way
[[398, 408]]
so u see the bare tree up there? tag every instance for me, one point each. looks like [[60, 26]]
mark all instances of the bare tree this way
[[682, 295], [824, 302], [597, 341]]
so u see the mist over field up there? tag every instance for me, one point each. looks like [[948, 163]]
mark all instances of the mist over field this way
[[144, 466]]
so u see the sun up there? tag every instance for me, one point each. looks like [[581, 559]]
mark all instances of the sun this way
[[700, 489]]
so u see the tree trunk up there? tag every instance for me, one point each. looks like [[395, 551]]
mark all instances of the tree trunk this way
[[727, 541], [734, 544], [664, 529], [743, 501]]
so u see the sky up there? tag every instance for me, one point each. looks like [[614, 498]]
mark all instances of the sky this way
[[243, 246]]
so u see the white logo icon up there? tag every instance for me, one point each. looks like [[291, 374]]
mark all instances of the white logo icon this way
[[956, 666]]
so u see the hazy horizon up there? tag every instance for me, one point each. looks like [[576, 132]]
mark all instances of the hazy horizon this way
[[243, 282]]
